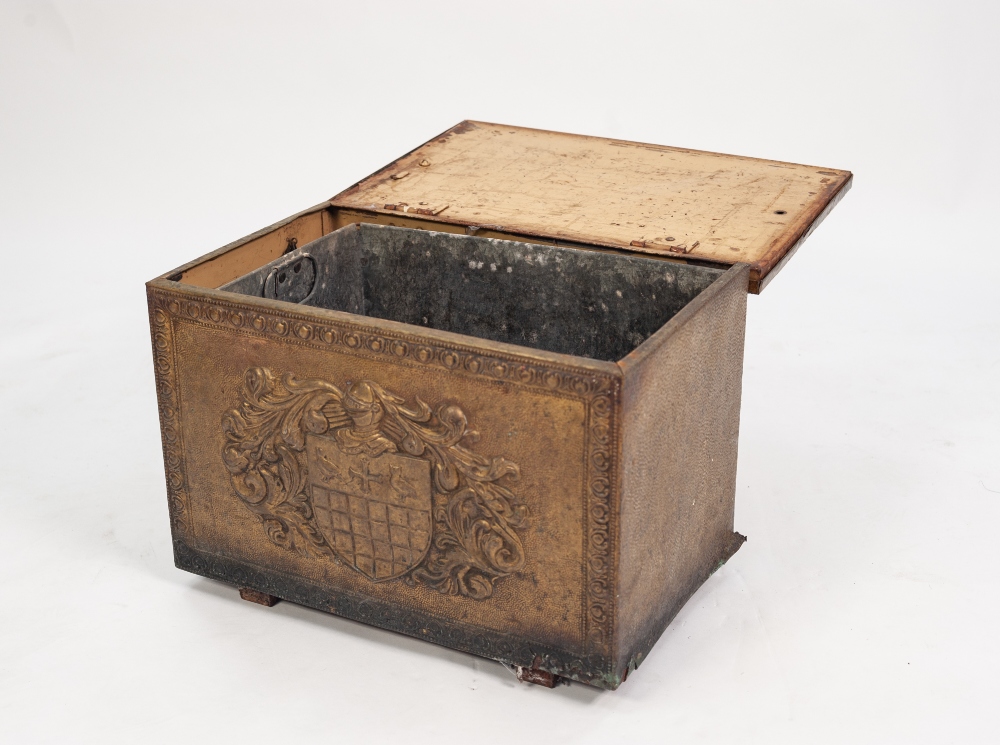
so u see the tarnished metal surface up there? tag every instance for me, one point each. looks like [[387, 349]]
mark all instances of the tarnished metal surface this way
[[584, 303], [515, 437], [451, 486], [292, 280], [680, 447]]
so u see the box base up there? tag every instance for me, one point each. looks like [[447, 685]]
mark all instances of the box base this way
[[511, 651], [646, 641]]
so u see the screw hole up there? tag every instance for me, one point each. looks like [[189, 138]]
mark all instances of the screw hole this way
[[297, 267], [780, 212], [281, 277]]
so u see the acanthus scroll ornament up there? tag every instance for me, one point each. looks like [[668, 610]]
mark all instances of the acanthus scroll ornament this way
[[385, 487]]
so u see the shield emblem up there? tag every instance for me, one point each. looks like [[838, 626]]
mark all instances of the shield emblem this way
[[375, 511]]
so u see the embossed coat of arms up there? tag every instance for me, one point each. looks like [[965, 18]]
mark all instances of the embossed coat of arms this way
[[358, 476]]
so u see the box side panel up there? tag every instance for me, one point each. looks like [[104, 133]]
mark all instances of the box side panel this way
[[236, 260], [335, 464], [680, 422]]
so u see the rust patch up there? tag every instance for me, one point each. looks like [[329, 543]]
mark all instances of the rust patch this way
[[538, 677], [256, 596], [429, 210]]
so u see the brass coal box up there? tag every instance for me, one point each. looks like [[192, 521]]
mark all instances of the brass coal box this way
[[488, 397]]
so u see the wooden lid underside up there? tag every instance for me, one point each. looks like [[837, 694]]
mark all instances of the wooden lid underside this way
[[649, 199]]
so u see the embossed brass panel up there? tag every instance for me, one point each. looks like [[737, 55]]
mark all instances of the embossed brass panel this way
[[520, 563], [322, 469]]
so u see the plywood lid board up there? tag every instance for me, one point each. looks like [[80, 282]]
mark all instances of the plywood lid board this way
[[652, 199]]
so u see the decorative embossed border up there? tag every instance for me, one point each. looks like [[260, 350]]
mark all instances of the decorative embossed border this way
[[598, 390], [161, 332]]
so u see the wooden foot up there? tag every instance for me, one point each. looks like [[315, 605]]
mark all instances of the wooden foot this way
[[256, 596], [538, 677]]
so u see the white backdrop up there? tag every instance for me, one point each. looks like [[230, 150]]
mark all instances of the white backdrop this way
[[134, 137]]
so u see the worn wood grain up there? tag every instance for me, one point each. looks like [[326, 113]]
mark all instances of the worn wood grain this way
[[612, 193], [247, 254]]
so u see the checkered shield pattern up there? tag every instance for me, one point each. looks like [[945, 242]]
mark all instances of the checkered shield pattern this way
[[375, 511]]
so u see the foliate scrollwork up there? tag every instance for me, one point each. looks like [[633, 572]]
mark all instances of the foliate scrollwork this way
[[385, 487]]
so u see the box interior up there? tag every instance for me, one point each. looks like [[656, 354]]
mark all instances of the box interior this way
[[588, 303]]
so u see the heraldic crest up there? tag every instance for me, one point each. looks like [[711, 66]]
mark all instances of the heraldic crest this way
[[385, 488]]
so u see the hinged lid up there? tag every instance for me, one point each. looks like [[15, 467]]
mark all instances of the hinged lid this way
[[687, 204]]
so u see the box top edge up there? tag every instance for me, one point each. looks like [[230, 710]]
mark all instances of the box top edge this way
[[312, 315]]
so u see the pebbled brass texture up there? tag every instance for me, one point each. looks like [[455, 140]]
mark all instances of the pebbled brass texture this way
[[541, 489], [679, 451]]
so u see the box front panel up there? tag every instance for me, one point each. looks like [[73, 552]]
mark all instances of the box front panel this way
[[338, 462]]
